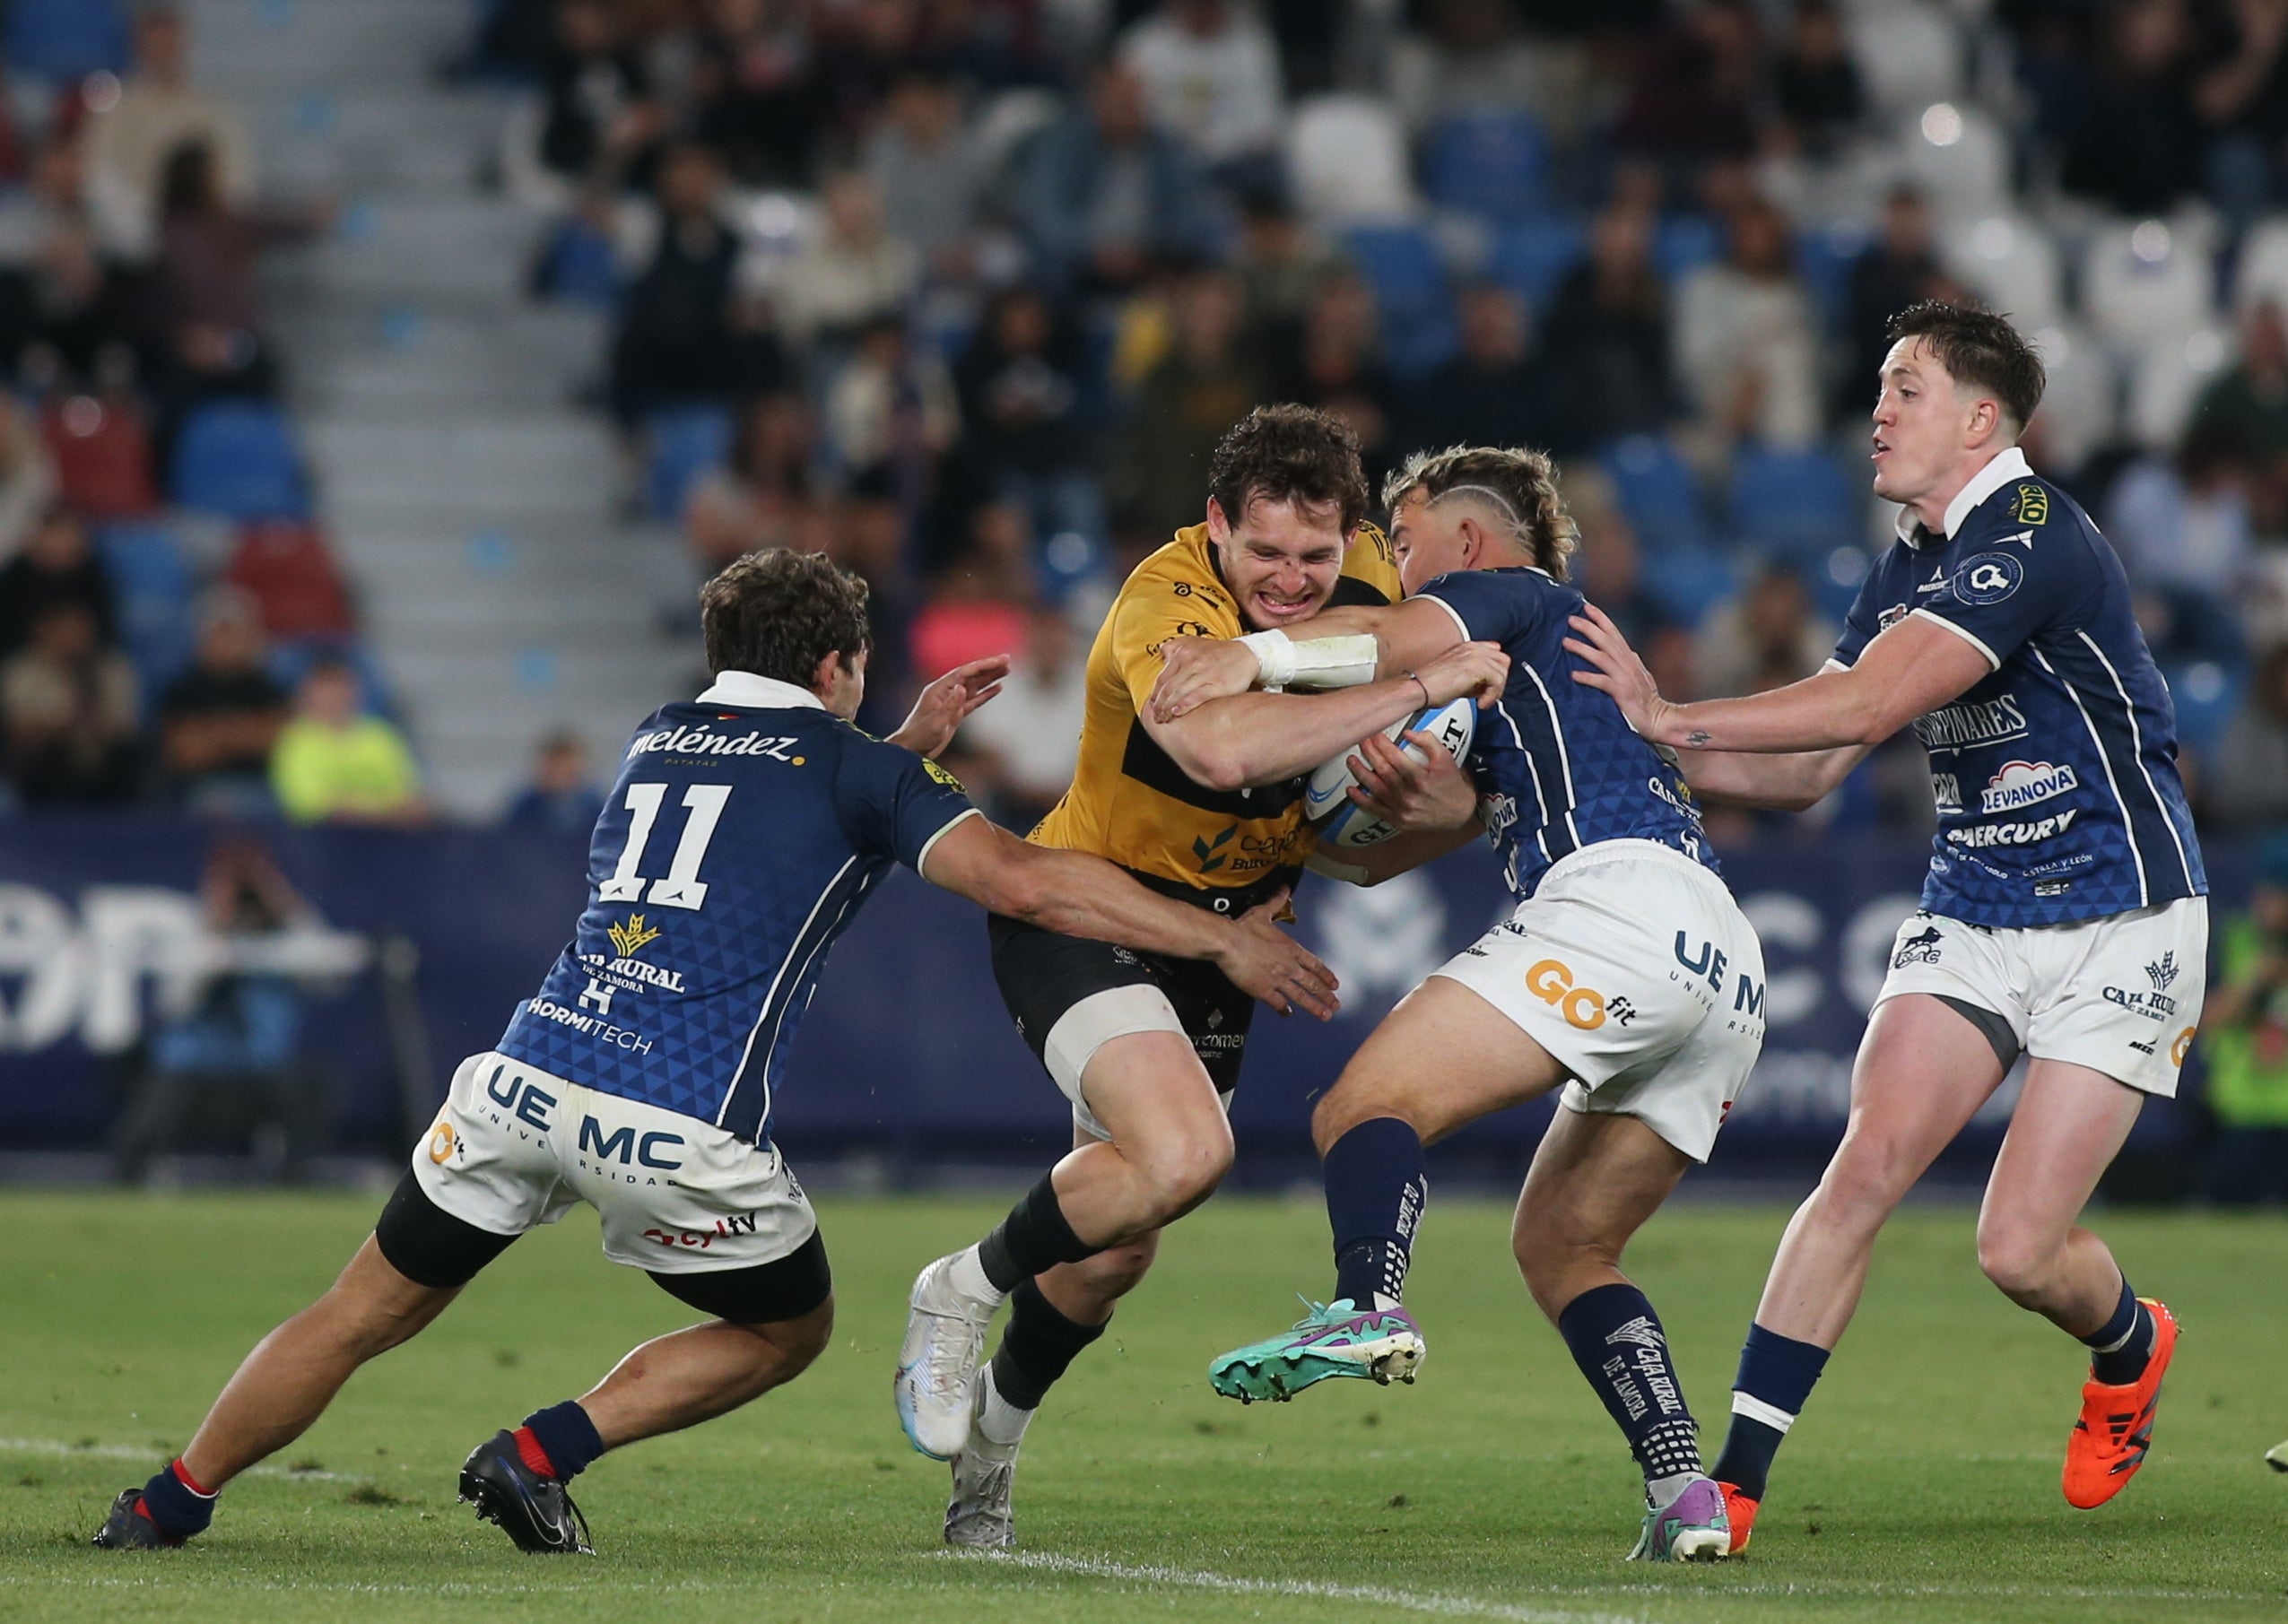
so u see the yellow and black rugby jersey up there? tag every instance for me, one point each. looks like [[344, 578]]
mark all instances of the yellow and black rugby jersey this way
[[1129, 800]]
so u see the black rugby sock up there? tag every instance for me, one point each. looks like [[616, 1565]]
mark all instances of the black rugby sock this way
[[1037, 1348], [1032, 1240]]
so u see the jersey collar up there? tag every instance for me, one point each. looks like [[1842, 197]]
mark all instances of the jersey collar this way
[[2007, 465], [759, 693]]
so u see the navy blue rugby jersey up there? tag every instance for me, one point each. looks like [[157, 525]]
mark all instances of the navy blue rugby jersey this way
[[740, 837], [1557, 766], [2056, 776]]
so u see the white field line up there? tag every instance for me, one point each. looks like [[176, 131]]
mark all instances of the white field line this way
[[1223, 1584], [136, 1452]]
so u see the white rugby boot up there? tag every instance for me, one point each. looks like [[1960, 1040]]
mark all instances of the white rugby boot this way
[[937, 1363]]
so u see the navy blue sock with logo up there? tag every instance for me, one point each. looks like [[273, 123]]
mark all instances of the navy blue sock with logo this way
[[179, 1510], [1777, 1374], [1376, 1189], [566, 1435], [1616, 1340], [2120, 1348]]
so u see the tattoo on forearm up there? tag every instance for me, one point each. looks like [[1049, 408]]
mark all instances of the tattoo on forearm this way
[[1697, 739]]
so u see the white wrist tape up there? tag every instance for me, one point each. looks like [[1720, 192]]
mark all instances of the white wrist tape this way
[[1315, 662]]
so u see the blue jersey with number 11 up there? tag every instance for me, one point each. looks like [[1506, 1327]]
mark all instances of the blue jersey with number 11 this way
[[743, 833]]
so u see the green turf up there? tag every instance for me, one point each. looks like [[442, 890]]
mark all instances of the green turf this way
[[1923, 1484]]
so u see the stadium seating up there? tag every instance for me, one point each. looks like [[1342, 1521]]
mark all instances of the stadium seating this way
[[686, 441], [64, 41], [1686, 242], [154, 586], [2263, 269], [2205, 695], [2165, 381], [238, 458], [1531, 256], [285, 567], [102, 456], [1403, 266], [1796, 505], [2146, 281], [1907, 52], [1492, 162], [1824, 260], [2010, 262], [1347, 161], [1660, 493], [1960, 156]]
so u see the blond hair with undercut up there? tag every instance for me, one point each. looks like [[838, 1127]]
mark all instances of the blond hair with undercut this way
[[1518, 486]]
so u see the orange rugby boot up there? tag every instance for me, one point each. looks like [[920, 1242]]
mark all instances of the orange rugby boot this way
[[1740, 1511], [2109, 1443]]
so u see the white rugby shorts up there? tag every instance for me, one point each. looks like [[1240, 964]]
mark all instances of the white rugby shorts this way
[[2122, 995], [1634, 967], [514, 1147]]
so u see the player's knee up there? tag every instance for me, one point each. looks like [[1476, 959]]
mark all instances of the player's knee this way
[[791, 1346], [1184, 1168], [2021, 1262]]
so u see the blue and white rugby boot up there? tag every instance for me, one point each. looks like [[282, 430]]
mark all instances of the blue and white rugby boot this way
[[1690, 1528], [937, 1362], [1336, 1339]]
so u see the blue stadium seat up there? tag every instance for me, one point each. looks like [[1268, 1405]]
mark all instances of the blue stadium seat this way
[[1401, 263], [1687, 582], [1493, 162], [2207, 695], [1824, 260], [65, 40], [1799, 505], [686, 442], [1686, 242], [1660, 493], [154, 586], [238, 458], [1531, 256]]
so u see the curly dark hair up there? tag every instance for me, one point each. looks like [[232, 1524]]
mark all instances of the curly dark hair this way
[[1289, 454], [1521, 484], [778, 612], [1978, 348]]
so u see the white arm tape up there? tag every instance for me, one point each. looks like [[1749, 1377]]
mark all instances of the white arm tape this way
[[1315, 662], [1349, 873]]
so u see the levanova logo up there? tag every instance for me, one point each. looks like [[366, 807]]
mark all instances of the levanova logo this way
[[2024, 783]]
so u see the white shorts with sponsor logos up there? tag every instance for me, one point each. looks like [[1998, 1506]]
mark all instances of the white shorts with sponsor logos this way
[[1635, 969], [514, 1147], [2120, 994]]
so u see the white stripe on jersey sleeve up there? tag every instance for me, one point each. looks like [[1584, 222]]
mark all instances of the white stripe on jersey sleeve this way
[[921, 858], [1993, 660], [1460, 625]]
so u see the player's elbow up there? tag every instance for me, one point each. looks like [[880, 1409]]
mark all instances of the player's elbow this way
[[1216, 765]]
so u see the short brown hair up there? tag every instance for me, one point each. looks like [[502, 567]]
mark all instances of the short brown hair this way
[[778, 612], [1289, 454], [1520, 485], [1979, 348]]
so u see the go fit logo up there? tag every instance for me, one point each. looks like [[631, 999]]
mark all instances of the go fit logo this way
[[1551, 981]]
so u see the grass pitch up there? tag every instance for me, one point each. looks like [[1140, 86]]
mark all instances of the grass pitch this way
[[1922, 1485]]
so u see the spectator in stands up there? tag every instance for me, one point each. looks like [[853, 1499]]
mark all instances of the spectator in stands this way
[[1335, 364], [2182, 524], [762, 496], [1747, 341], [157, 112], [930, 174], [1103, 197], [686, 332], [1281, 263], [756, 95], [1022, 747], [1608, 569], [2241, 94], [1474, 55], [68, 713], [890, 410], [1607, 337], [2247, 778], [1492, 393], [976, 605], [1815, 85], [2244, 1034], [602, 118], [57, 288], [334, 764], [219, 721], [1900, 269], [1691, 91], [2123, 123], [853, 272], [209, 332], [1766, 636], [1210, 73], [2251, 396], [27, 482], [57, 564], [1025, 426], [1198, 389], [562, 794]]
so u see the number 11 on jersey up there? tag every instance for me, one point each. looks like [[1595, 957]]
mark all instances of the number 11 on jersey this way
[[680, 887]]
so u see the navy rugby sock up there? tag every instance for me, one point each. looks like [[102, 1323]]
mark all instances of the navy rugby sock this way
[[568, 1440], [1376, 1190], [1039, 1346], [1616, 1340], [171, 1502], [1032, 1240], [1777, 1374], [2121, 1348]]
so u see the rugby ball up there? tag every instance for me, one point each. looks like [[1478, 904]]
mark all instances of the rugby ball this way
[[1327, 798]]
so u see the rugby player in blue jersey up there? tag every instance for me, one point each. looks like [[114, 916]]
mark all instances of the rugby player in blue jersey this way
[[2064, 916], [743, 833], [1624, 976]]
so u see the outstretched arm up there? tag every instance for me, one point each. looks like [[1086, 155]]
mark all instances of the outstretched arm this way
[[1196, 670]]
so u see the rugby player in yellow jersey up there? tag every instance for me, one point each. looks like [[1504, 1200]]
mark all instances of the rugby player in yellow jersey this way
[[1207, 808]]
